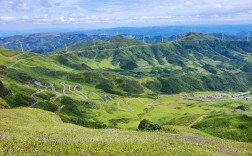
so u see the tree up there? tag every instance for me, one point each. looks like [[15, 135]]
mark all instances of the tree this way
[[143, 125], [146, 125]]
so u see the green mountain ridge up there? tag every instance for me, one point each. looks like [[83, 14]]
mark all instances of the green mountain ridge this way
[[205, 61], [120, 82]]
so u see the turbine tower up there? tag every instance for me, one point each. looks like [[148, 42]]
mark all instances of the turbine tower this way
[[143, 39], [21, 46], [222, 36], [66, 47], [94, 42], [248, 36]]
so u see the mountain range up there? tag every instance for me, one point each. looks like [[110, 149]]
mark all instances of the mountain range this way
[[48, 42], [188, 88]]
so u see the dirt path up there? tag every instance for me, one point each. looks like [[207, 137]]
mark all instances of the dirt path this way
[[127, 103], [84, 96], [196, 121], [22, 60], [104, 100], [117, 104], [17, 55], [152, 103], [36, 100], [64, 88], [59, 109]]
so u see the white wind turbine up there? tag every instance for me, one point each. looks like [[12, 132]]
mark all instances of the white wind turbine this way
[[66, 47], [94, 42], [21, 46]]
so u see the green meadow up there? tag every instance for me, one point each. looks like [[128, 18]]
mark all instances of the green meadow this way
[[90, 100]]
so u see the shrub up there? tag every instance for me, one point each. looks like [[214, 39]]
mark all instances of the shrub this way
[[3, 104], [146, 125], [128, 64], [155, 86]]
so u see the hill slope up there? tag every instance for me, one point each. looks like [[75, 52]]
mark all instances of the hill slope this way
[[120, 82], [33, 131], [201, 62]]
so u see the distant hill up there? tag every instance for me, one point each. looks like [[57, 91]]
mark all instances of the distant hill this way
[[45, 42], [236, 37]]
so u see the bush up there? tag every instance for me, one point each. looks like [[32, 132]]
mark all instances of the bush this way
[[146, 125], [154, 86], [3, 104], [3, 91], [19, 100], [131, 87], [128, 64]]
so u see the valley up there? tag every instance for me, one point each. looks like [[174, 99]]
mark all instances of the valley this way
[[187, 87]]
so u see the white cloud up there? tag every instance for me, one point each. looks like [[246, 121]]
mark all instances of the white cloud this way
[[124, 12], [7, 18], [218, 6], [188, 3], [214, 16]]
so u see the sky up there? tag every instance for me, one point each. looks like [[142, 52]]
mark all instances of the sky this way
[[90, 14]]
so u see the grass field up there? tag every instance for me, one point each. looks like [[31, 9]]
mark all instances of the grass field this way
[[37, 132], [93, 105], [90, 89]]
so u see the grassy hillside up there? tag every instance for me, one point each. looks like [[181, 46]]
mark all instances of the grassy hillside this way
[[196, 62], [118, 83], [37, 132]]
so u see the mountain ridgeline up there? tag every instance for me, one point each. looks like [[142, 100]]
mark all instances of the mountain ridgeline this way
[[45, 43], [196, 62], [117, 83]]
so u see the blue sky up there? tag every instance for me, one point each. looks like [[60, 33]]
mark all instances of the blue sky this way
[[34, 14]]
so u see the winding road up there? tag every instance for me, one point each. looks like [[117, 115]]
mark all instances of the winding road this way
[[104, 100], [85, 97], [80, 93], [36, 100], [196, 121]]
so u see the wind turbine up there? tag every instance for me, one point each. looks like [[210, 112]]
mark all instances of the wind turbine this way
[[94, 42], [222, 36], [162, 38], [66, 47], [248, 36], [21, 46]]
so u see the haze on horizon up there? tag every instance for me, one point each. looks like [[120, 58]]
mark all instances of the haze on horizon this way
[[39, 14]]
